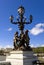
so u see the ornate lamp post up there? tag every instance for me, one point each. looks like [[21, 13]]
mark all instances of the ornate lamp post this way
[[22, 20], [23, 54]]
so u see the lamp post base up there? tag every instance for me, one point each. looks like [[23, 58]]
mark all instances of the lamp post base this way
[[21, 58]]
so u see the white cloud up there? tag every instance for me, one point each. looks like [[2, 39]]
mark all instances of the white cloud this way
[[0, 47], [37, 45], [42, 45], [40, 24], [9, 29], [39, 28], [32, 45], [8, 46]]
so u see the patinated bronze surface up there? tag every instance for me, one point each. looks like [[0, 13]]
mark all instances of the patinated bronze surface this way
[[21, 41]]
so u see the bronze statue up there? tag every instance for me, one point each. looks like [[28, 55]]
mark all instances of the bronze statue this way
[[22, 40], [16, 39], [27, 39]]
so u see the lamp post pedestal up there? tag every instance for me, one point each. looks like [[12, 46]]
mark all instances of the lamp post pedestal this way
[[21, 58]]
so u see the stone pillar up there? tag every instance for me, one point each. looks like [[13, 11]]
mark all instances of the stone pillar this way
[[21, 58]]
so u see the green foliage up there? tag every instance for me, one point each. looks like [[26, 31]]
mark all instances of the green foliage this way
[[38, 50]]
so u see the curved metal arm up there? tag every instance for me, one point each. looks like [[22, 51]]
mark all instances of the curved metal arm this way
[[27, 22], [11, 19], [14, 22]]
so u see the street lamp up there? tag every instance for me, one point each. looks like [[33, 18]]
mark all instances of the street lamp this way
[[21, 21], [31, 18], [11, 18], [21, 10]]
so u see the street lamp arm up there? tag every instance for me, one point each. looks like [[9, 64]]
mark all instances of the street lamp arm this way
[[14, 22], [27, 22]]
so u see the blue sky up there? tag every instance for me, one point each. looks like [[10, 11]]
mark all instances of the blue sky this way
[[36, 29]]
